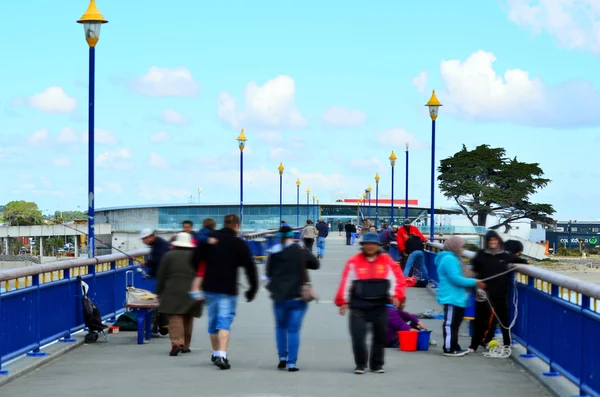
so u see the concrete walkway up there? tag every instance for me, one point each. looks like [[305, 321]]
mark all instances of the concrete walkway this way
[[122, 368]]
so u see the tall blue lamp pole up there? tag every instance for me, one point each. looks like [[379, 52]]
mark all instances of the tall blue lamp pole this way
[[307, 204], [433, 106], [406, 190], [313, 207], [298, 202], [393, 159], [369, 189], [280, 169], [242, 144], [377, 200], [92, 20]]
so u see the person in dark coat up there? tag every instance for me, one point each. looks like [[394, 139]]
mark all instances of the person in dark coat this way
[[287, 273], [173, 282], [340, 228], [348, 229], [158, 248]]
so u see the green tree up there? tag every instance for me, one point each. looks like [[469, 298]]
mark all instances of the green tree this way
[[23, 213], [68, 216], [484, 182]]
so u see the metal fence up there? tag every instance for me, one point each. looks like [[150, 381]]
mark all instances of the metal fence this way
[[558, 322]]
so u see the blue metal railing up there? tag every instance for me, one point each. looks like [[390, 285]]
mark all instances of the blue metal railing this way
[[558, 322]]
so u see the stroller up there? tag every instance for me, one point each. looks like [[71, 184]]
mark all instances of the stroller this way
[[91, 315]]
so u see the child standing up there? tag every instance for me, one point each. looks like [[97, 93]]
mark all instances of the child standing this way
[[452, 292], [400, 320]]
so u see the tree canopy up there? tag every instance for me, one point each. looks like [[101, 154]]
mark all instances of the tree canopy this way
[[23, 213], [68, 216], [484, 181]]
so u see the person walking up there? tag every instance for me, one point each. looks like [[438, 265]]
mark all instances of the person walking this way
[[309, 234], [172, 285], [348, 230], [220, 283], [323, 229], [287, 275], [452, 292], [370, 281], [340, 228]]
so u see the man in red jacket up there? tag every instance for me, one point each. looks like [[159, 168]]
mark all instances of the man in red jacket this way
[[404, 233], [370, 281]]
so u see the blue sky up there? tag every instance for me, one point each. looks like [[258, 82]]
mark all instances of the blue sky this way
[[327, 88]]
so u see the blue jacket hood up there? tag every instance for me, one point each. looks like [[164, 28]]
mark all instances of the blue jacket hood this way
[[440, 256]]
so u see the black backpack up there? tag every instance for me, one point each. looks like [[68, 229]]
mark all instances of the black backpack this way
[[91, 315]]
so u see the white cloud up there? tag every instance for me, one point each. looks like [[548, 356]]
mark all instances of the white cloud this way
[[368, 162], [38, 137], [268, 106], [421, 80], [270, 137], [160, 137], [67, 135], [398, 137], [172, 117], [150, 191], [475, 91], [574, 23], [119, 159], [101, 137], [53, 100], [27, 186], [165, 82], [61, 162], [158, 162], [344, 117]]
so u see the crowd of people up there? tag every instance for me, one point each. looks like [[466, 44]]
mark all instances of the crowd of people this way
[[197, 271]]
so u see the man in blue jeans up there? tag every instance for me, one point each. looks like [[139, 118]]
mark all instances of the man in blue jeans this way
[[415, 248], [220, 284], [323, 229]]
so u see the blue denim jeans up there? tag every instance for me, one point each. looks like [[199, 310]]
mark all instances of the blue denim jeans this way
[[288, 321], [221, 311], [321, 246], [353, 240], [418, 258]]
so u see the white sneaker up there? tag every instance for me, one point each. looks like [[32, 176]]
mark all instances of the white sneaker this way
[[470, 351]]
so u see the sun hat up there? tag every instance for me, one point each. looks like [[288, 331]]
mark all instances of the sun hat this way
[[183, 240], [370, 238], [146, 233]]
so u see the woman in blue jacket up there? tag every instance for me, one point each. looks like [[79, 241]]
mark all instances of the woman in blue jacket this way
[[452, 292]]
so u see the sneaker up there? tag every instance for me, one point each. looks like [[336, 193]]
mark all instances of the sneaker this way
[[175, 350], [456, 353], [359, 370], [213, 359], [378, 370], [470, 350], [293, 369], [184, 350], [282, 364], [222, 363]]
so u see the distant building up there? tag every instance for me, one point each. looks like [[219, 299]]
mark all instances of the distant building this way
[[589, 231]]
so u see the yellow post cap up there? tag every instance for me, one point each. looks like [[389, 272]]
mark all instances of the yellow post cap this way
[[314, 197], [393, 156], [280, 168], [377, 177], [242, 137], [433, 101], [307, 191], [92, 14], [298, 182]]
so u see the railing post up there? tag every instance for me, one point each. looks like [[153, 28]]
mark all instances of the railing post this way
[[553, 294], [530, 285], [585, 303], [116, 307], [35, 281], [3, 372], [67, 276]]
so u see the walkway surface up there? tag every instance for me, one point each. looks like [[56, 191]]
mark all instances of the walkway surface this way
[[120, 367]]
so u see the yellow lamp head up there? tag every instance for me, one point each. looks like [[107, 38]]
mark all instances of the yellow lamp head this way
[[377, 178], [314, 197], [307, 191], [92, 20], [433, 106], [370, 188], [242, 140], [298, 182], [393, 159], [280, 168]]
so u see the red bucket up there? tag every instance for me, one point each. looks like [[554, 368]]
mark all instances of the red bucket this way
[[408, 340]]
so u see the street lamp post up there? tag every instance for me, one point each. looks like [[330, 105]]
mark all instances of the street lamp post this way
[[242, 144], [307, 204], [298, 202], [433, 106], [376, 199], [393, 164], [318, 210], [369, 189], [406, 190], [280, 168], [313, 207], [92, 20]]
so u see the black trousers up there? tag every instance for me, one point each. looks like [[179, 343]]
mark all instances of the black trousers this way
[[453, 318], [309, 242], [484, 328], [359, 318], [348, 238]]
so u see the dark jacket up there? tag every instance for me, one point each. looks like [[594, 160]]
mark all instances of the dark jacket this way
[[202, 236], [413, 244], [323, 229], [286, 272], [173, 283], [340, 226], [157, 251], [348, 228], [222, 261]]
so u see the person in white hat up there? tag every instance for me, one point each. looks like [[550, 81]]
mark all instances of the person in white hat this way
[[173, 282], [158, 248]]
